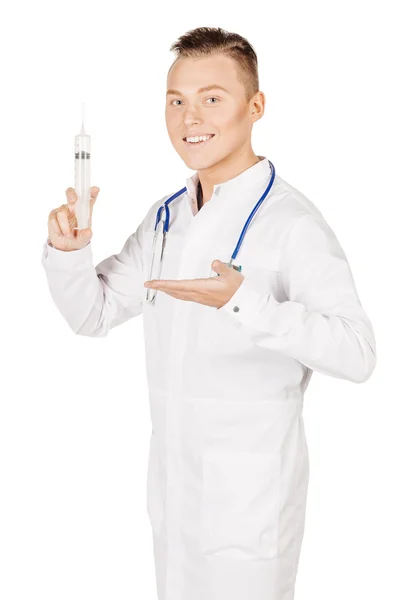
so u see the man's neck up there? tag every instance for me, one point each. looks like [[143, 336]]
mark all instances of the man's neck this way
[[223, 171]]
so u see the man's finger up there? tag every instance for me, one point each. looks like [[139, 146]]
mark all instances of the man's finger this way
[[94, 192], [188, 285], [71, 199], [179, 295]]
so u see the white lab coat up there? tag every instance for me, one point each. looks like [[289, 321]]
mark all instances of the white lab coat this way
[[228, 460]]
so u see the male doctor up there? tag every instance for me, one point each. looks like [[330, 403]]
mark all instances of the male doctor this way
[[230, 351]]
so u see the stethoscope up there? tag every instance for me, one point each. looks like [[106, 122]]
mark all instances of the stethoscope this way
[[151, 298]]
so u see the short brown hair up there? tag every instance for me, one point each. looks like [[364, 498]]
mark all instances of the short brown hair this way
[[205, 41]]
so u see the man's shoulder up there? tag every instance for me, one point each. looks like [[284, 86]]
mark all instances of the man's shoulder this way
[[291, 204], [295, 201]]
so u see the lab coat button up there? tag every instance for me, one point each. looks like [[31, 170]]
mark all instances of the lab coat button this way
[[235, 309]]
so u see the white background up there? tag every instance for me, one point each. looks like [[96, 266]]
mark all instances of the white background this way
[[74, 415]]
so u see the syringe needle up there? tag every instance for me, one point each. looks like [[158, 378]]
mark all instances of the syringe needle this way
[[83, 119]]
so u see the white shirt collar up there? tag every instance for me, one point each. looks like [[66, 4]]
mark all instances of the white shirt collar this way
[[242, 182]]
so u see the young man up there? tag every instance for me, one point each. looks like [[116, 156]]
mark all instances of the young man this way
[[229, 356]]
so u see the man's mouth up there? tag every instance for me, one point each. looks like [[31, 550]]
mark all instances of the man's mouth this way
[[198, 141]]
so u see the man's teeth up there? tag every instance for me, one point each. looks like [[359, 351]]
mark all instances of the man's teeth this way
[[201, 138]]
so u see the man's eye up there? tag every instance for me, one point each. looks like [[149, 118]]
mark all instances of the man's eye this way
[[211, 98]]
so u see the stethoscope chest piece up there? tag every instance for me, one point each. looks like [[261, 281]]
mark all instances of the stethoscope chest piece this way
[[233, 266]]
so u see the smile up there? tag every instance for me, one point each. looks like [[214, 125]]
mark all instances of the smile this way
[[198, 144]]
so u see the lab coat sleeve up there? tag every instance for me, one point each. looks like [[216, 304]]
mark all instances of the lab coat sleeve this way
[[94, 299], [322, 324]]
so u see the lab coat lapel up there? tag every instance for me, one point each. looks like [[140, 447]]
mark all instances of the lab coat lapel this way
[[197, 238], [213, 232], [204, 238]]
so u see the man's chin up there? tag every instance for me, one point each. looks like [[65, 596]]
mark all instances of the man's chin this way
[[198, 163]]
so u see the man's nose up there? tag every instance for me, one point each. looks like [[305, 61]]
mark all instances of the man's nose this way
[[191, 116]]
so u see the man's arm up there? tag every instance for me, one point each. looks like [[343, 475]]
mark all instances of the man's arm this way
[[94, 299], [323, 324]]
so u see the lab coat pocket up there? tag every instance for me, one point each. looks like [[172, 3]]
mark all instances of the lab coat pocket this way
[[154, 500], [241, 504], [267, 278]]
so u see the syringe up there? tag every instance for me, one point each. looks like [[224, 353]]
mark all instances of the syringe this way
[[82, 176]]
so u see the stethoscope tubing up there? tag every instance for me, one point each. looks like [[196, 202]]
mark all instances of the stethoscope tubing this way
[[246, 225]]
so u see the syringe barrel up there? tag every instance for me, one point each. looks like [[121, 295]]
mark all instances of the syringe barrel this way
[[82, 180]]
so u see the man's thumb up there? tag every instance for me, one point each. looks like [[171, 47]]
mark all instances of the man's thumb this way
[[85, 234], [220, 267]]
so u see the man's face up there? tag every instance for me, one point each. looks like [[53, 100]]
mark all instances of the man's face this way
[[226, 115]]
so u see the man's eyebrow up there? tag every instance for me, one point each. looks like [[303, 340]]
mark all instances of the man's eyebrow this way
[[206, 88]]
